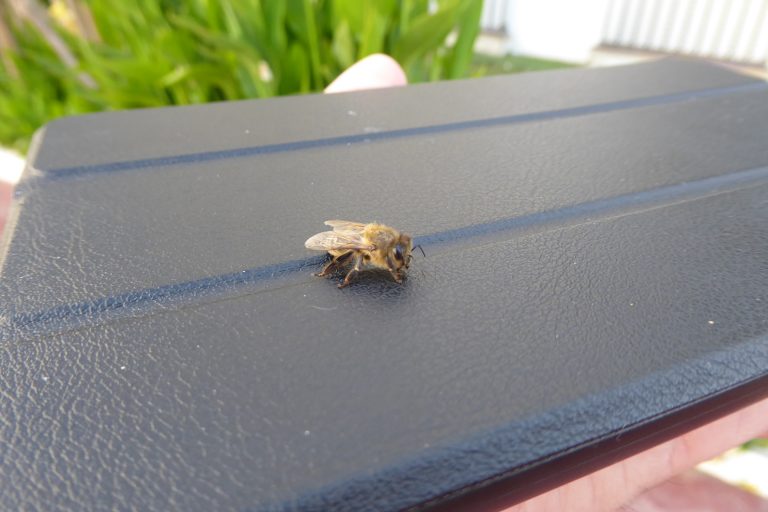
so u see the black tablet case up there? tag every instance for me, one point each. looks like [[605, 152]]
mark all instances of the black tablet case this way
[[596, 281]]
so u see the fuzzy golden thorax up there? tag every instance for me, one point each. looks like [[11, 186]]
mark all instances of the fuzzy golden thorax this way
[[393, 249]]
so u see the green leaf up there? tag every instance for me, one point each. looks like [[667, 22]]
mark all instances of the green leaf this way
[[275, 14], [296, 73], [427, 32], [174, 77], [313, 43], [372, 35], [343, 47], [469, 28], [350, 11]]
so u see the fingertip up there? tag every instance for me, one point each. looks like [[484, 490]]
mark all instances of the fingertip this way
[[373, 72]]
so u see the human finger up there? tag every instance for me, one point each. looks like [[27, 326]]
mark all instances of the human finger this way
[[372, 72], [613, 486]]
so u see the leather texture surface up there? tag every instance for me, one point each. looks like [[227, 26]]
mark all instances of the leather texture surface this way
[[596, 260]]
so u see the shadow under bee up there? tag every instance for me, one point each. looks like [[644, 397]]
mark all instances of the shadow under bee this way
[[371, 283]]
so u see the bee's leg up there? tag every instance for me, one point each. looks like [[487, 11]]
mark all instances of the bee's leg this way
[[394, 273], [355, 270], [396, 276], [337, 261]]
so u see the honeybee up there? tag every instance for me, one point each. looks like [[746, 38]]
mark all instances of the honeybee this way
[[363, 245]]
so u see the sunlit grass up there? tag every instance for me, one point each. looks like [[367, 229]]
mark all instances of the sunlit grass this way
[[149, 53]]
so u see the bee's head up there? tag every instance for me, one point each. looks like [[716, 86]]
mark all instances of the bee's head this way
[[401, 252]]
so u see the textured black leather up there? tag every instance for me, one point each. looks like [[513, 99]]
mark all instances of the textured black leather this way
[[595, 279]]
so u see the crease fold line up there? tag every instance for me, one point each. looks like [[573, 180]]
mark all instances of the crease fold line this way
[[61, 173], [580, 213]]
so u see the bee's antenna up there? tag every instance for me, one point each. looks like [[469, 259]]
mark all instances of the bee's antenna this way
[[421, 249]]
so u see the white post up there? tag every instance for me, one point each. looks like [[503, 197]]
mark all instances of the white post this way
[[566, 30]]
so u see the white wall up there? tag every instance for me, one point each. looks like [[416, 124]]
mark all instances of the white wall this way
[[565, 30], [734, 30], [568, 30]]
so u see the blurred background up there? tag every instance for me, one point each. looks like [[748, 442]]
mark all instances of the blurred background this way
[[65, 57]]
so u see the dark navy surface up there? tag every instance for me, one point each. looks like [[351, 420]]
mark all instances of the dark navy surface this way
[[596, 271]]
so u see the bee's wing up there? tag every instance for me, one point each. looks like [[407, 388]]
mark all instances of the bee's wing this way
[[337, 241], [345, 225]]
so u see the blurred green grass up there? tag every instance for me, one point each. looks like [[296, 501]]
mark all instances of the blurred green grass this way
[[149, 53], [69, 57]]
